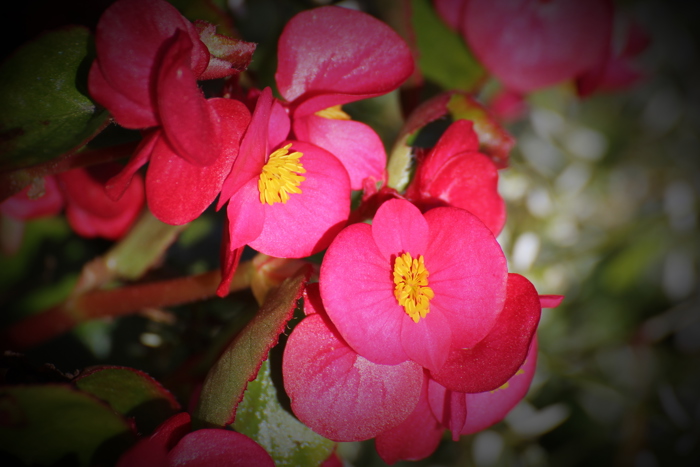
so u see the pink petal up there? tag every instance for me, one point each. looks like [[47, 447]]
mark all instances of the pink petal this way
[[355, 144], [358, 294], [89, 225], [246, 216], [20, 206], [125, 111], [564, 38], [468, 181], [213, 447], [117, 185], [128, 39], [399, 227], [415, 438], [449, 407], [468, 273], [229, 259], [308, 221], [178, 192], [450, 11], [85, 188], [491, 362], [338, 393], [254, 149], [278, 129], [189, 124], [427, 342], [551, 301], [152, 451], [486, 408], [312, 299], [330, 56]]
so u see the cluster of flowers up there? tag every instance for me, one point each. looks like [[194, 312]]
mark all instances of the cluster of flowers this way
[[415, 325]]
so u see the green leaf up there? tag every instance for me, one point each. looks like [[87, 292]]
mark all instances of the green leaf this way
[[286, 439], [47, 424], [44, 107], [132, 393], [227, 380], [444, 58]]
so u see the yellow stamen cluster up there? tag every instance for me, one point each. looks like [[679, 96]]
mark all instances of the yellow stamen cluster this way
[[280, 176], [336, 113], [412, 291]]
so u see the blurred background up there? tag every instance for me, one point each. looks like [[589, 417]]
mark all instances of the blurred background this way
[[603, 202]]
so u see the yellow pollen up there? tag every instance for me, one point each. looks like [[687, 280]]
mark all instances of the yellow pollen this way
[[280, 176], [335, 113], [412, 291]]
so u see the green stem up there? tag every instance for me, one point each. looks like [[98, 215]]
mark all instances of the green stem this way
[[41, 327]]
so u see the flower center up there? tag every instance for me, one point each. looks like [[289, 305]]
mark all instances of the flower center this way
[[280, 176], [412, 291], [335, 113]]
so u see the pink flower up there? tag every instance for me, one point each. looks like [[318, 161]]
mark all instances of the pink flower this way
[[529, 44], [454, 173], [285, 198], [149, 58], [172, 444], [412, 286], [332, 56]]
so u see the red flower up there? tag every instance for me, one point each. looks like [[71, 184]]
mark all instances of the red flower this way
[[529, 44], [332, 56], [455, 173]]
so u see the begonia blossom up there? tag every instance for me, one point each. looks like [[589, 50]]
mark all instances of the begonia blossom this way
[[285, 198], [529, 44], [455, 173], [332, 56], [173, 444]]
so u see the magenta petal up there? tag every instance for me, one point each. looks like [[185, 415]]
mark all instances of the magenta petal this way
[[125, 111], [551, 301], [20, 206], [117, 185], [450, 11], [486, 408], [254, 149], [331, 55], [338, 393], [312, 299], [468, 273], [491, 362], [229, 259], [308, 221], [449, 407], [213, 447], [358, 294], [399, 227], [152, 451], [278, 129], [427, 342], [246, 215], [459, 137], [415, 438], [355, 144], [188, 122]]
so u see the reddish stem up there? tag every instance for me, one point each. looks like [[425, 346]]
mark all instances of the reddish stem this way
[[41, 327]]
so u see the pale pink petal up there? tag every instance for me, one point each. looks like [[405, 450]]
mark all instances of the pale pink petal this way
[[214, 447], [468, 273], [189, 123], [415, 438], [332, 55], [308, 221], [427, 342], [399, 227], [358, 294], [491, 362], [338, 393], [486, 408], [355, 144]]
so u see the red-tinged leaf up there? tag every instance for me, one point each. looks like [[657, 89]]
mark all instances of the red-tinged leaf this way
[[497, 357], [227, 380], [45, 424], [132, 393]]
